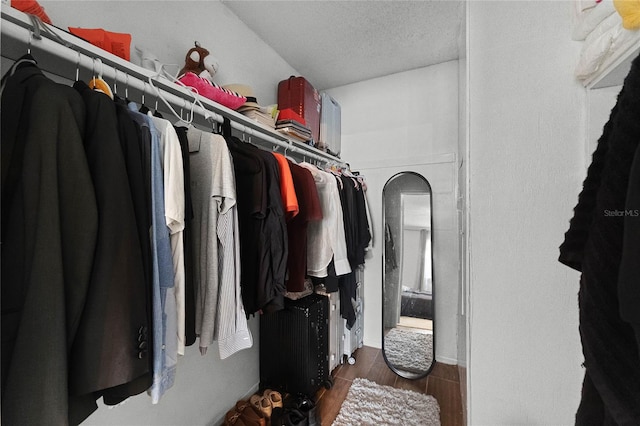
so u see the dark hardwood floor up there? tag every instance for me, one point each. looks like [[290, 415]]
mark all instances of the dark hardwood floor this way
[[443, 383]]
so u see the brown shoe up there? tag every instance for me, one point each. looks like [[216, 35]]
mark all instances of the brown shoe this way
[[274, 397], [262, 404], [250, 415], [233, 417]]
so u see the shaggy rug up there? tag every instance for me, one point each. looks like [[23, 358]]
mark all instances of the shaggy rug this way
[[369, 403], [409, 351]]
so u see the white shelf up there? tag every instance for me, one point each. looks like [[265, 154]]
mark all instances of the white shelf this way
[[70, 53], [614, 69]]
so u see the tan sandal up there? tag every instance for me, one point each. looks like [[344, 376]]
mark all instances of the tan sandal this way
[[262, 404], [274, 397]]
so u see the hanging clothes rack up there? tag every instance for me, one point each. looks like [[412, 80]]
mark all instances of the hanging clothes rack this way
[[20, 34]]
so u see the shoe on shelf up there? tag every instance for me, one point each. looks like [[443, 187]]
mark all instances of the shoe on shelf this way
[[262, 404], [274, 397]]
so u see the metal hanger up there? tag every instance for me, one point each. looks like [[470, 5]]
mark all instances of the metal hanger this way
[[14, 67], [115, 80], [29, 42], [78, 67]]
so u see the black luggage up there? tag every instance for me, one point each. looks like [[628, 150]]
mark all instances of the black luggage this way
[[294, 345]]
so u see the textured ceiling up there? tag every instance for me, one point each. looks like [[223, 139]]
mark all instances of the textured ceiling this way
[[333, 43]]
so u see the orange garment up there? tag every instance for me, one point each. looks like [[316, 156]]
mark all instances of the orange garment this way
[[31, 7], [287, 190]]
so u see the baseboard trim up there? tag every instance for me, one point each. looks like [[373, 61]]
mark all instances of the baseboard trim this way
[[446, 360], [220, 421]]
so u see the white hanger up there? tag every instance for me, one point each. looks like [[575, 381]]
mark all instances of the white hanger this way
[[182, 122], [115, 81], [97, 83], [78, 67], [289, 157], [160, 73]]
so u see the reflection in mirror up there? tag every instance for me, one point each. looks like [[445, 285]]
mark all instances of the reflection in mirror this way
[[408, 296]]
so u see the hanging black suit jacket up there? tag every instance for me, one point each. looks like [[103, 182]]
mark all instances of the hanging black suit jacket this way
[[49, 225], [114, 323]]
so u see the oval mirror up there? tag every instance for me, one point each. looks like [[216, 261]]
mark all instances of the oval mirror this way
[[407, 287]]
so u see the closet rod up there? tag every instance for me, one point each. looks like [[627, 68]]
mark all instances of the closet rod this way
[[16, 26]]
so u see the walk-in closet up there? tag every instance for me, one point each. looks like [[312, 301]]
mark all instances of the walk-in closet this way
[[320, 212]]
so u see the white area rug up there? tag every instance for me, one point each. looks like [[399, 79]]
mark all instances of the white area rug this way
[[369, 403], [409, 351]]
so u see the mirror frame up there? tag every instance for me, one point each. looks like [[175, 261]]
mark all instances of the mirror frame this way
[[402, 373]]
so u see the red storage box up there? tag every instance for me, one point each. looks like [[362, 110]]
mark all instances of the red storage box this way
[[299, 95], [117, 43]]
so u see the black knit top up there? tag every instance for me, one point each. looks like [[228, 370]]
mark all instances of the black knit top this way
[[596, 242]]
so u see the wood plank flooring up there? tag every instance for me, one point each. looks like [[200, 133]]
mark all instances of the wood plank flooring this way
[[443, 383]]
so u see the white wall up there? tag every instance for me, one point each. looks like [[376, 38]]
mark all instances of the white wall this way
[[527, 136], [463, 211], [408, 122]]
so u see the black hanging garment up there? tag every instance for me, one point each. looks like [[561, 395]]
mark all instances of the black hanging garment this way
[[49, 228], [363, 230], [108, 350], [129, 133], [190, 292], [262, 227], [602, 233]]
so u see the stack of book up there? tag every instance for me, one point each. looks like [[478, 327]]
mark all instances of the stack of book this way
[[265, 115], [261, 116], [294, 130], [294, 126]]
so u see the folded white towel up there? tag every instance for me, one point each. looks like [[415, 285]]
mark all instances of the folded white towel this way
[[586, 19]]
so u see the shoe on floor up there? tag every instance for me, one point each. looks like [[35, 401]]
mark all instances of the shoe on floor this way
[[262, 404], [250, 415], [233, 417], [288, 417], [274, 397]]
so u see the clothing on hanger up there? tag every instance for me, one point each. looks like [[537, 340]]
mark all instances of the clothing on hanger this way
[[45, 274], [164, 330], [187, 328], [219, 311], [115, 306], [287, 189], [130, 173], [297, 227], [172, 297], [262, 226], [595, 245], [185, 296], [326, 237]]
